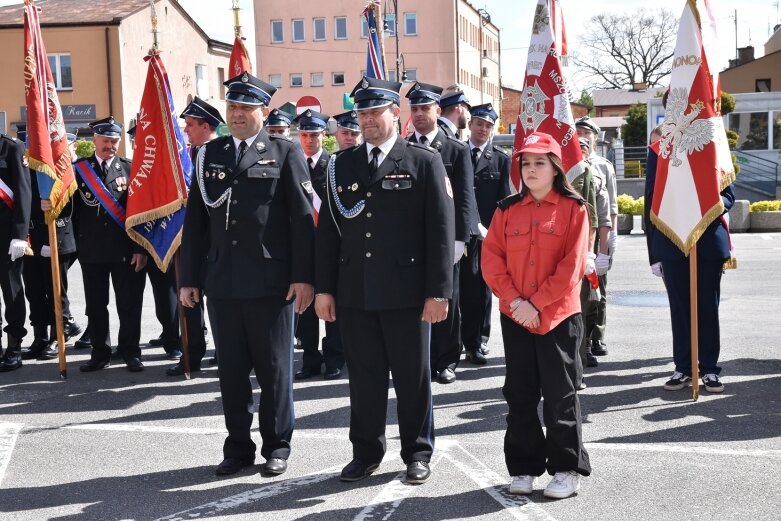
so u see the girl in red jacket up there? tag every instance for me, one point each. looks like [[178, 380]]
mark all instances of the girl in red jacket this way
[[534, 257]]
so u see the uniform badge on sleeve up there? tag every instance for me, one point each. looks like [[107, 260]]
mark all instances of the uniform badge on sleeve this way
[[448, 188], [307, 186], [25, 162]]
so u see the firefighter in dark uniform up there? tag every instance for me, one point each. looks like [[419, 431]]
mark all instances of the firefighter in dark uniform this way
[[38, 275], [106, 252], [15, 195], [348, 133], [249, 208], [455, 107], [384, 268], [491, 165], [446, 336], [277, 122], [311, 130]]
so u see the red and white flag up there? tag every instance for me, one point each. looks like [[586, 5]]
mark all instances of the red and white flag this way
[[694, 159], [545, 98], [239, 60]]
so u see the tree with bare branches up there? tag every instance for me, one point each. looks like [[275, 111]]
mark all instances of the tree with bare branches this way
[[620, 50]]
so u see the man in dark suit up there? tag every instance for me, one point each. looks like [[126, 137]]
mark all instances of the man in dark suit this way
[[668, 261], [278, 122], [384, 262], [348, 133], [106, 252], [491, 165], [38, 275], [15, 197], [311, 131], [249, 208], [455, 109], [446, 337]]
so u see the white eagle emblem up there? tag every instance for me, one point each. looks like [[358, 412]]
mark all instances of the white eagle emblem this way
[[681, 131]]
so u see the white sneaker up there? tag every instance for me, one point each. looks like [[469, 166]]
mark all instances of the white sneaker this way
[[522, 485], [563, 485]]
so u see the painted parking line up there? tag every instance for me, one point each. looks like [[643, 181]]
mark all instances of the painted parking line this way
[[684, 449], [9, 433]]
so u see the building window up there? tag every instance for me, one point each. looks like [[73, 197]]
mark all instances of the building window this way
[[752, 129], [390, 22], [319, 29], [298, 30], [201, 81], [296, 79], [410, 24], [275, 80], [337, 78], [340, 28], [762, 85], [220, 81], [364, 27], [60, 64], [277, 31], [392, 75], [317, 79], [412, 74]]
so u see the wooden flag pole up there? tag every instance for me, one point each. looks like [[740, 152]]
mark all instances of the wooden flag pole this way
[[57, 295], [182, 320], [695, 330]]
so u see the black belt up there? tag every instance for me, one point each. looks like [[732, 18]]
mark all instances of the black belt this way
[[59, 223]]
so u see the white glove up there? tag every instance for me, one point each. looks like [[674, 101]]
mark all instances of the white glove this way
[[483, 230], [46, 251], [602, 263], [656, 269], [459, 251], [612, 242], [590, 263], [17, 249]]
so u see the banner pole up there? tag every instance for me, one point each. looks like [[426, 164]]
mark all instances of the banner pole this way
[[694, 316], [57, 296]]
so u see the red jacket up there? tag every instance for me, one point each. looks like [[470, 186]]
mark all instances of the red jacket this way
[[537, 251]]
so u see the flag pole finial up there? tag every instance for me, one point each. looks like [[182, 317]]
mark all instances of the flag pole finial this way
[[155, 31], [236, 22]]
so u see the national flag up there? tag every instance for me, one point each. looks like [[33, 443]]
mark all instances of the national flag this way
[[239, 60], [160, 173], [694, 163], [47, 143], [545, 98], [375, 58]]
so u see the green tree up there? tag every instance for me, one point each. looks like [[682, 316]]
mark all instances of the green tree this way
[[586, 99], [330, 144], [84, 148], [634, 133], [727, 103]]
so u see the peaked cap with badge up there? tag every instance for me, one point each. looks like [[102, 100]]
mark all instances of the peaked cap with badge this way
[[107, 127], [201, 110], [249, 90], [311, 121], [371, 93], [424, 94], [485, 111], [278, 118], [454, 98]]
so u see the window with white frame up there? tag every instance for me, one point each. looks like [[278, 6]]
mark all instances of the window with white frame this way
[[220, 81], [410, 24], [337, 78], [275, 80], [390, 22], [319, 29], [60, 64], [316, 79], [201, 81], [364, 27], [340, 28], [298, 30], [277, 31], [412, 74], [296, 79]]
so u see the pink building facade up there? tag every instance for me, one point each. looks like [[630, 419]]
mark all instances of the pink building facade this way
[[319, 48]]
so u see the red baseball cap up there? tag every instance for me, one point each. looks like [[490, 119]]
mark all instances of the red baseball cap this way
[[539, 143]]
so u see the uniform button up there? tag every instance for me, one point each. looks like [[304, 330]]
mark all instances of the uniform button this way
[[550, 230], [368, 254], [412, 259], [235, 201], [532, 243], [517, 232], [234, 242], [538, 205], [531, 263], [233, 221], [264, 175], [368, 235], [368, 215], [235, 181], [368, 194], [534, 284]]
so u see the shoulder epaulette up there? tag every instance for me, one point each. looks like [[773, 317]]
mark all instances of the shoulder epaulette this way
[[6, 136], [510, 200], [451, 138], [124, 160], [422, 147], [343, 150], [280, 136], [499, 149]]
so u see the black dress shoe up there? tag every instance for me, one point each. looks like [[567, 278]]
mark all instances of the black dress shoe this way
[[134, 365], [418, 472], [178, 369], [70, 329], [35, 349], [305, 373], [357, 470], [274, 466], [49, 352], [173, 353], [85, 342], [598, 348], [476, 357], [94, 365], [116, 355], [156, 342], [591, 360], [332, 373], [233, 465], [446, 376]]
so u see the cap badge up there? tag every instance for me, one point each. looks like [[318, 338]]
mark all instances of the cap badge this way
[[531, 140], [417, 86], [308, 113], [490, 107], [365, 83], [245, 78]]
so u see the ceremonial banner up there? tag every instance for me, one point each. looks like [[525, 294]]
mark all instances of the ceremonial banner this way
[[545, 97], [239, 60], [160, 173], [694, 163], [48, 150], [375, 58]]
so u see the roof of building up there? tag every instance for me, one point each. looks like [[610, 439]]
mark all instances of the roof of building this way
[[616, 97], [74, 12], [609, 121], [772, 58]]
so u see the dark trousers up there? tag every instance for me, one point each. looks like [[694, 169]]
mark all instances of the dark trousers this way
[[164, 292], [543, 366], [446, 335], [13, 296], [255, 334], [676, 280], [39, 290], [129, 296], [308, 331], [376, 342], [196, 334], [599, 323], [475, 301], [588, 308]]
